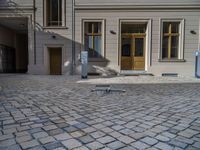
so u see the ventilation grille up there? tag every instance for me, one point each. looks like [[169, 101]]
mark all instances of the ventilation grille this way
[[170, 74]]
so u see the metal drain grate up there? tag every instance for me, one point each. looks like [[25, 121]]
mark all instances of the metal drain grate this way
[[106, 89]]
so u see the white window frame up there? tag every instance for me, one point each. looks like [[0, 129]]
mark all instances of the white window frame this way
[[45, 22], [102, 21], [181, 37]]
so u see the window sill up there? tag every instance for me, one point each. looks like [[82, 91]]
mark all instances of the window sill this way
[[95, 60], [171, 60], [56, 27]]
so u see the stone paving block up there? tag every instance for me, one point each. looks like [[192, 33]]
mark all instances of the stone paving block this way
[[81, 125], [162, 138], [140, 145], [63, 136], [116, 145], [177, 143], [117, 127], [48, 139], [106, 139], [5, 137], [128, 148], [9, 131], [188, 133], [185, 140], [62, 125], [40, 135], [35, 130], [49, 127], [126, 131], [125, 139], [115, 134], [24, 138], [95, 145], [163, 146], [152, 148], [97, 134], [138, 136], [107, 123], [168, 134], [196, 144], [60, 148], [107, 130], [7, 142], [12, 147], [37, 148], [71, 143], [29, 144], [70, 129], [89, 129], [53, 145], [77, 134], [149, 140], [81, 148], [86, 139], [55, 132]]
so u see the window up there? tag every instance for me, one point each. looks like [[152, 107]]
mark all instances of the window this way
[[54, 12], [93, 39], [171, 39]]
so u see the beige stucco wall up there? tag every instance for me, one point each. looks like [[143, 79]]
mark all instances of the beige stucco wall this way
[[44, 40], [112, 17]]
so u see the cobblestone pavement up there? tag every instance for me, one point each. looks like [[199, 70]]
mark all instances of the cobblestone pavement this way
[[58, 113]]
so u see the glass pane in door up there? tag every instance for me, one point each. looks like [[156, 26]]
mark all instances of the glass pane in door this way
[[139, 47], [126, 47]]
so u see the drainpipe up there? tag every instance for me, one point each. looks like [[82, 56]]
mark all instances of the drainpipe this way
[[73, 39], [199, 37], [34, 20]]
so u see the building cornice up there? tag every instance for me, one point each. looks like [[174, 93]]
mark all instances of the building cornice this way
[[17, 8], [137, 7]]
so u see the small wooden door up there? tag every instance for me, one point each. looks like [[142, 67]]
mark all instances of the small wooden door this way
[[55, 61], [133, 52]]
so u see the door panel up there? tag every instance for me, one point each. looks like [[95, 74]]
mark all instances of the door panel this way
[[55, 61], [139, 53], [133, 52], [126, 53]]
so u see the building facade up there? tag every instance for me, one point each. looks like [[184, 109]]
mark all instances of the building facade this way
[[130, 36]]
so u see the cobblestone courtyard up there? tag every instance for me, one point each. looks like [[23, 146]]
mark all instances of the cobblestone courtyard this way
[[56, 113]]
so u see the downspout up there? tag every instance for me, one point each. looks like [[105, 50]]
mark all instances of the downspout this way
[[34, 20], [73, 39], [199, 37]]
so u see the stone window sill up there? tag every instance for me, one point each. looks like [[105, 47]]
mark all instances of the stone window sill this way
[[171, 60], [56, 27]]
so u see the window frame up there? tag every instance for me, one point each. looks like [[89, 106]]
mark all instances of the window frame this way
[[63, 15], [102, 21], [180, 56]]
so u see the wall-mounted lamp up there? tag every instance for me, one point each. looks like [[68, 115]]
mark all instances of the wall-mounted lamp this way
[[112, 32], [193, 32], [53, 37]]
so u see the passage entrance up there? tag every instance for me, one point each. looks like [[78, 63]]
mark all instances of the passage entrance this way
[[55, 61], [133, 39]]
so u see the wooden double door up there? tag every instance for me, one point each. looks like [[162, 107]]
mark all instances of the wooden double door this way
[[133, 52], [55, 61]]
